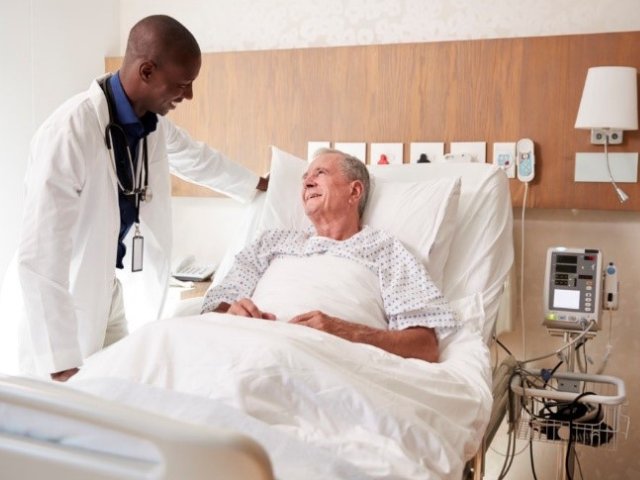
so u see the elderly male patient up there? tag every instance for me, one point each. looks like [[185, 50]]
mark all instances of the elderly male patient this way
[[411, 313]]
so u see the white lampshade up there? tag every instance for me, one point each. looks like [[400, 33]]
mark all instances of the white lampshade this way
[[609, 99]]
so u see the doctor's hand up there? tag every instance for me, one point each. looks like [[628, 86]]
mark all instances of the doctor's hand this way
[[246, 308], [64, 375]]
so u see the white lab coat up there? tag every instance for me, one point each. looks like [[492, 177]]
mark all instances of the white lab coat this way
[[67, 254]]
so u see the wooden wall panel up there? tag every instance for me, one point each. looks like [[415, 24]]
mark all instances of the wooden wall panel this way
[[480, 90]]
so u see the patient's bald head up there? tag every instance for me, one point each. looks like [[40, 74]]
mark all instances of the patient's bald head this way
[[161, 62]]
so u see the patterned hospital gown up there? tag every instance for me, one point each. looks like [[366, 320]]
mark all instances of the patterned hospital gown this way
[[409, 296]]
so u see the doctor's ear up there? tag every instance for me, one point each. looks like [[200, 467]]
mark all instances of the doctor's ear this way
[[146, 70]]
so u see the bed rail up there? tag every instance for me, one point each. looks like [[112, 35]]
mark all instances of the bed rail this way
[[500, 389], [59, 440]]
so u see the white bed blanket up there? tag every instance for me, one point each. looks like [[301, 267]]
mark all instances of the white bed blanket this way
[[390, 417]]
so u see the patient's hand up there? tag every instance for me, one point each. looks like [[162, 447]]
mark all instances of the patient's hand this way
[[245, 308], [322, 321], [413, 342], [64, 375]]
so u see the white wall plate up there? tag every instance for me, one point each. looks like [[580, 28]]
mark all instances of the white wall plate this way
[[393, 152], [313, 146], [504, 156], [357, 149], [433, 151], [478, 150], [592, 167]]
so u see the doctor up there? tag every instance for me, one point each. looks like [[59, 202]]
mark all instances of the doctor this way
[[98, 198]]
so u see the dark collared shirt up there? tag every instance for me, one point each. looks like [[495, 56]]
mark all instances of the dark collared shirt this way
[[135, 129]]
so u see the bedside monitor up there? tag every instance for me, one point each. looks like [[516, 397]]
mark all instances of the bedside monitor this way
[[572, 288]]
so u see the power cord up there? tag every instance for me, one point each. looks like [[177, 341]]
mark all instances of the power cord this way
[[571, 437], [522, 250], [560, 352]]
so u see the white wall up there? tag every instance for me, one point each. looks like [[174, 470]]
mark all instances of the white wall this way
[[49, 50], [267, 24]]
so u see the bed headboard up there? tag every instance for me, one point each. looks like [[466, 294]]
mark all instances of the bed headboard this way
[[480, 90]]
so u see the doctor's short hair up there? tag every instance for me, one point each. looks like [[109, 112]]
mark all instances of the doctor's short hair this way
[[353, 169], [161, 37]]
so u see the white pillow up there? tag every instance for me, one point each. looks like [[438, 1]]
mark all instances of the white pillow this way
[[420, 214]]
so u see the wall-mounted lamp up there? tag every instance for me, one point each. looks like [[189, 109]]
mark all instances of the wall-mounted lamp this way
[[609, 105]]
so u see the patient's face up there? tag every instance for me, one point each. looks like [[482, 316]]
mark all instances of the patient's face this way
[[325, 190]]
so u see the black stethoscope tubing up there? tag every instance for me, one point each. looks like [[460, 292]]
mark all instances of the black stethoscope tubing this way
[[139, 189]]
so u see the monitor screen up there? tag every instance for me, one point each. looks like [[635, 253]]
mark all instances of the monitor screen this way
[[566, 299]]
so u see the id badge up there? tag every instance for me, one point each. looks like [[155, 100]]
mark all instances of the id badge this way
[[137, 250]]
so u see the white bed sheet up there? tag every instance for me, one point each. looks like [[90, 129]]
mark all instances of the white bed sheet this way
[[389, 417]]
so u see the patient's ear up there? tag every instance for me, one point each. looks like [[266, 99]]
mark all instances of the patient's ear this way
[[357, 190]]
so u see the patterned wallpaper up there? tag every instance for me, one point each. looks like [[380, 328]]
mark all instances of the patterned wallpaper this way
[[221, 25]]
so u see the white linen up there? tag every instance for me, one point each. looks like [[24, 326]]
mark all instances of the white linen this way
[[354, 292], [389, 416]]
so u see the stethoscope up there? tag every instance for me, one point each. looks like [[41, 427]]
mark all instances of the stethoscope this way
[[140, 186]]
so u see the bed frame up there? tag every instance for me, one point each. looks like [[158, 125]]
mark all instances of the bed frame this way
[[177, 450], [501, 380], [183, 450]]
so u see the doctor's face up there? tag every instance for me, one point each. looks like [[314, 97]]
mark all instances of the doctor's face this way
[[326, 192], [170, 83]]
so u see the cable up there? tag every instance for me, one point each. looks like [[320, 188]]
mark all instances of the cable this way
[[533, 466], [522, 241], [503, 346], [623, 197], [608, 348], [564, 347], [571, 435]]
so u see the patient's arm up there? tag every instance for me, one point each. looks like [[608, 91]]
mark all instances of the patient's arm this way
[[415, 342], [244, 308]]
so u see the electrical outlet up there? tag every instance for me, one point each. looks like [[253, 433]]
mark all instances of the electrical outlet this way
[[598, 137]]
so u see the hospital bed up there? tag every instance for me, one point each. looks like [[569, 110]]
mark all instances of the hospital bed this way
[[213, 396]]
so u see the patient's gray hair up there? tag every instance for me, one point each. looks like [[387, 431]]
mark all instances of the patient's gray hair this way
[[354, 169]]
